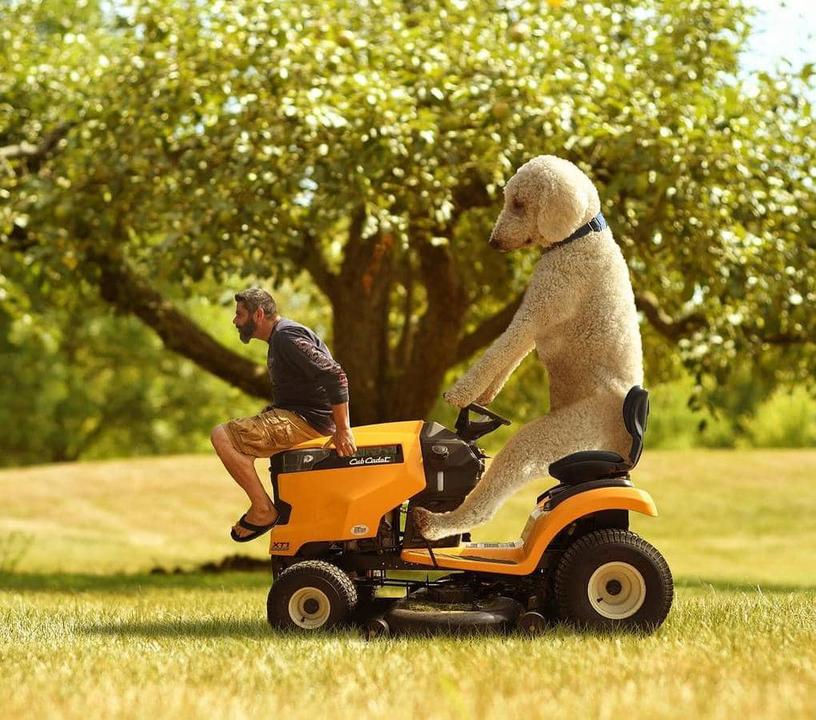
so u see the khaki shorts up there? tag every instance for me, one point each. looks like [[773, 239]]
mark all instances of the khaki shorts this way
[[269, 433]]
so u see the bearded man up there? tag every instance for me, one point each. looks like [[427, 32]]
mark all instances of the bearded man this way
[[310, 400]]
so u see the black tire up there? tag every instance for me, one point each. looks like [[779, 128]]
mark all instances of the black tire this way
[[533, 623], [376, 628], [629, 581], [498, 614], [310, 595]]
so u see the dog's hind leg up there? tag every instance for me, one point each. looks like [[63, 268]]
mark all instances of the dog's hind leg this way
[[592, 424]]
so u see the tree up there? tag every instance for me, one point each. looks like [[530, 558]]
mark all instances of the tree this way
[[80, 384], [368, 142]]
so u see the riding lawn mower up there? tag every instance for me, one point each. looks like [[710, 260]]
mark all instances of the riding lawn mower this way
[[345, 537]]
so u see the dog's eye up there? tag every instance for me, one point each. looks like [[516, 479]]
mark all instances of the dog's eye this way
[[518, 204]]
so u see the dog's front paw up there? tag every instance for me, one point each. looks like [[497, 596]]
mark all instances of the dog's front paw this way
[[424, 520]]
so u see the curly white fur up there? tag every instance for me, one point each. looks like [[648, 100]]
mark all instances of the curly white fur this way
[[579, 313]]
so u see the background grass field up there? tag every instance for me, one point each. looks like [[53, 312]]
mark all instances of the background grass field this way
[[88, 632]]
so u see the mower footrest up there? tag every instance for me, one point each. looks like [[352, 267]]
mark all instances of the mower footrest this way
[[475, 558], [466, 558]]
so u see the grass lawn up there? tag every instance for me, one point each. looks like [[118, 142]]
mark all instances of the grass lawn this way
[[85, 631]]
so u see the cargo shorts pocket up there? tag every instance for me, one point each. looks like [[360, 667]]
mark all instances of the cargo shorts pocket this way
[[261, 435], [278, 430]]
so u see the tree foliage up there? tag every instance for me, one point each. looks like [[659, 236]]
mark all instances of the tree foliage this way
[[176, 143], [80, 384]]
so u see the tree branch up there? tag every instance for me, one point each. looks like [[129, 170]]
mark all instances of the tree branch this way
[[35, 155], [786, 339], [354, 251], [665, 324], [312, 259], [119, 286], [471, 193], [402, 350], [20, 240]]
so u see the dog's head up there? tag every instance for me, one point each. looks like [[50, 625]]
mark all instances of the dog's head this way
[[544, 202]]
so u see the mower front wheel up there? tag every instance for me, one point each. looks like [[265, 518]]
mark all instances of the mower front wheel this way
[[310, 595]]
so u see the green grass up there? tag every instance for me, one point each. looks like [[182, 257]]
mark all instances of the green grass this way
[[85, 631]]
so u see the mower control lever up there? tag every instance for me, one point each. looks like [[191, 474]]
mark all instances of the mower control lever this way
[[469, 430]]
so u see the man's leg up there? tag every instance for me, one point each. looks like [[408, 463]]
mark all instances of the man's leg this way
[[240, 441], [242, 469]]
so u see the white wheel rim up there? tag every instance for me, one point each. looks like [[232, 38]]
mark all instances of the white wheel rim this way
[[309, 608], [616, 590]]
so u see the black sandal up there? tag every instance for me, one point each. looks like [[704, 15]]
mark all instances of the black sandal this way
[[257, 530]]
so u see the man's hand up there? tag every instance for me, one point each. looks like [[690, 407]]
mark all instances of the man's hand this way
[[344, 442]]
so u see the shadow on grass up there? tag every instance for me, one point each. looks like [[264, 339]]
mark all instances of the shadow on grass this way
[[183, 628], [122, 583], [732, 586]]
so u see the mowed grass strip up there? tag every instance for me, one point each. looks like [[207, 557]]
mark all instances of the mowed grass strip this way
[[153, 648]]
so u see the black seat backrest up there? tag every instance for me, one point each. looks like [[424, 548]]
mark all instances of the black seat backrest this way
[[635, 416]]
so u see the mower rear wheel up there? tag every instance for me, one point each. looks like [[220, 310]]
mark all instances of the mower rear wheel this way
[[613, 579], [310, 595]]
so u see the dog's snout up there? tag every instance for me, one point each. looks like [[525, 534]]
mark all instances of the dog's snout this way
[[493, 242]]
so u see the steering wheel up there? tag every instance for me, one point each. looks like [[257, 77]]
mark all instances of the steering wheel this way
[[470, 430]]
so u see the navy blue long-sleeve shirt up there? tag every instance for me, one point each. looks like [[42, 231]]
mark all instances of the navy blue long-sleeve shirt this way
[[306, 379]]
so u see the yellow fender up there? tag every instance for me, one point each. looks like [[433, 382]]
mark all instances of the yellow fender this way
[[522, 557]]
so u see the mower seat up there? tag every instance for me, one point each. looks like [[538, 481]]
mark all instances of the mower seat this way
[[589, 465]]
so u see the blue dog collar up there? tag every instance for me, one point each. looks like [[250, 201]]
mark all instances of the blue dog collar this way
[[597, 224]]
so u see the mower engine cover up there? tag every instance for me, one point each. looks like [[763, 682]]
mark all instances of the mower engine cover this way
[[452, 469], [452, 466], [322, 497]]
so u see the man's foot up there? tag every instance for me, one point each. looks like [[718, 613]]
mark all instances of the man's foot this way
[[254, 523]]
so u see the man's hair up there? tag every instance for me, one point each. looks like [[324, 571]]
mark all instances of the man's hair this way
[[254, 298]]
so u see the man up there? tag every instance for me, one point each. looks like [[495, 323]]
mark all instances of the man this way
[[310, 399]]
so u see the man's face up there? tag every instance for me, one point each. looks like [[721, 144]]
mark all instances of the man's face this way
[[245, 323]]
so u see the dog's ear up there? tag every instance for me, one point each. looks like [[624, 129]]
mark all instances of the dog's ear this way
[[564, 209]]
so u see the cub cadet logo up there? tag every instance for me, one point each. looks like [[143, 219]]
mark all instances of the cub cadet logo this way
[[369, 460], [280, 545]]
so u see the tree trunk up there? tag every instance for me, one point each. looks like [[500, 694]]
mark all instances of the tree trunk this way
[[360, 304], [382, 385], [435, 344]]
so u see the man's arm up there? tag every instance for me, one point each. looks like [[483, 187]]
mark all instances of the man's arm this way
[[330, 375], [325, 370], [343, 438]]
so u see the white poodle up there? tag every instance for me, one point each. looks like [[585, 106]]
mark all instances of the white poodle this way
[[579, 314]]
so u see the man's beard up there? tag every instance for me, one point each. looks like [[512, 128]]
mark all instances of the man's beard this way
[[246, 331]]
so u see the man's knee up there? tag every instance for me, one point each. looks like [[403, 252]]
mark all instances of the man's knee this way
[[218, 437]]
